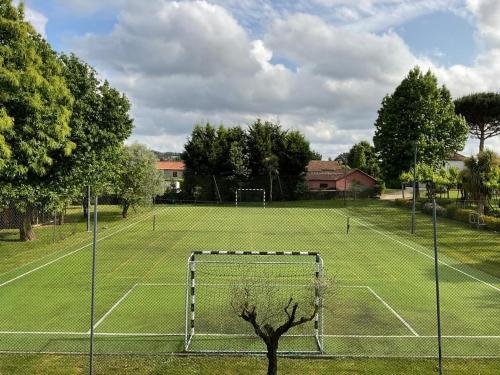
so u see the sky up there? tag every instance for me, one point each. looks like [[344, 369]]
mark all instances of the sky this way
[[318, 66]]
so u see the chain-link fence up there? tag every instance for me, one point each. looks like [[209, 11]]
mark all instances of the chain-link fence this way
[[383, 295]]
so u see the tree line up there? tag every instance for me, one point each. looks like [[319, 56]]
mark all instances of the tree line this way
[[61, 128], [421, 116], [264, 155]]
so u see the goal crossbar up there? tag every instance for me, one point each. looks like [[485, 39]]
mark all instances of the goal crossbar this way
[[195, 271]]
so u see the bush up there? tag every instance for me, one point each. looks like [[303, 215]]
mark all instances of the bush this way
[[427, 207], [452, 212], [492, 222]]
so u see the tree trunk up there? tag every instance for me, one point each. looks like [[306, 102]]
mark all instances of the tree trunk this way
[[60, 218], [125, 210], [481, 204], [85, 206], [481, 141], [26, 232], [272, 357]]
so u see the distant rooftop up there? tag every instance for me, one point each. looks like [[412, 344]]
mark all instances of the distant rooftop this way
[[323, 166], [456, 157], [170, 165]]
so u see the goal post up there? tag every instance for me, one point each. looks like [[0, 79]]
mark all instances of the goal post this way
[[238, 195], [215, 279]]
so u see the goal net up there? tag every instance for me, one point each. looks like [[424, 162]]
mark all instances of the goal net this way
[[219, 283], [249, 196]]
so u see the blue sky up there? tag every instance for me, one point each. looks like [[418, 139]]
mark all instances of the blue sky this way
[[320, 66]]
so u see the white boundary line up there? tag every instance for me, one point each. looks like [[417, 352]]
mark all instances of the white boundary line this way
[[71, 253], [151, 334], [422, 253], [114, 307], [393, 311]]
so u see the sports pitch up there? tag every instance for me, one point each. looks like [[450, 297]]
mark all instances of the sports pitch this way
[[383, 304]]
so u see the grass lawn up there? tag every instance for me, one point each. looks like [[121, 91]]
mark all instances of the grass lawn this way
[[133, 365], [384, 302]]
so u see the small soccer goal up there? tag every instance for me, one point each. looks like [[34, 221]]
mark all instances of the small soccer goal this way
[[220, 282], [249, 196]]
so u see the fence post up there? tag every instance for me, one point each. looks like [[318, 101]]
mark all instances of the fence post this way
[[436, 277], [92, 300], [88, 208], [54, 228], [154, 214], [413, 212]]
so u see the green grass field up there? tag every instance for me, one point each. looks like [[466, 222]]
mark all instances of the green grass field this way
[[173, 365], [383, 305]]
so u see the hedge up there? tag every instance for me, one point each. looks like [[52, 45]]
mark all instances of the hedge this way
[[451, 212]]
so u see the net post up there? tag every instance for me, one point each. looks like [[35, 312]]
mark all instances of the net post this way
[[92, 297], [188, 283], [318, 326], [436, 279], [190, 302]]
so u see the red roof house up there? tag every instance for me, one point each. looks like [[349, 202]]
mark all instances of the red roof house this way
[[171, 169], [330, 175]]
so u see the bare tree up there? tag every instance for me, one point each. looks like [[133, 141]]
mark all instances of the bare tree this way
[[271, 314]]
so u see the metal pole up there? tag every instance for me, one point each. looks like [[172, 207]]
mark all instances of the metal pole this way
[[413, 213], [92, 301], [345, 183], [88, 208], [154, 215], [348, 224], [436, 277], [54, 228]]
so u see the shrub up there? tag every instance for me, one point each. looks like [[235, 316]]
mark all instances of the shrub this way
[[492, 222], [452, 212], [427, 207]]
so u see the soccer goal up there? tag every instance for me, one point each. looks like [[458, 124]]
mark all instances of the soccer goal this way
[[257, 194], [219, 283]]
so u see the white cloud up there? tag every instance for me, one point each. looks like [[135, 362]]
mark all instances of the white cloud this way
[[91, 6], [37, 19], [188, 62]]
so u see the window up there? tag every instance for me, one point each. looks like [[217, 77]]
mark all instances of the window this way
[[323, 186], [174, 174]]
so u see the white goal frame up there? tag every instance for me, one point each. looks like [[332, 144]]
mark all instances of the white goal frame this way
[[263, 195], [190, 327]]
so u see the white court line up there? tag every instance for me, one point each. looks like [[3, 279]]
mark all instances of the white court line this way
[[393, 311], [113, 307], [407, 325], [151, 334], [71, 253], [423, 253]]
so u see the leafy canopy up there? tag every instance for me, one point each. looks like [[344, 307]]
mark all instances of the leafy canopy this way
[[35, 109], [100, 123], [139, 179], [482, 113], [418, 112], [362, 156]]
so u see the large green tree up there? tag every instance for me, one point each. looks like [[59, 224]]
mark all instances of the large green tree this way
[[35, 108], [140, 181], [362, 156], [417, 112], [100, 123], [482, 113], [481, 177], [263, 154]]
